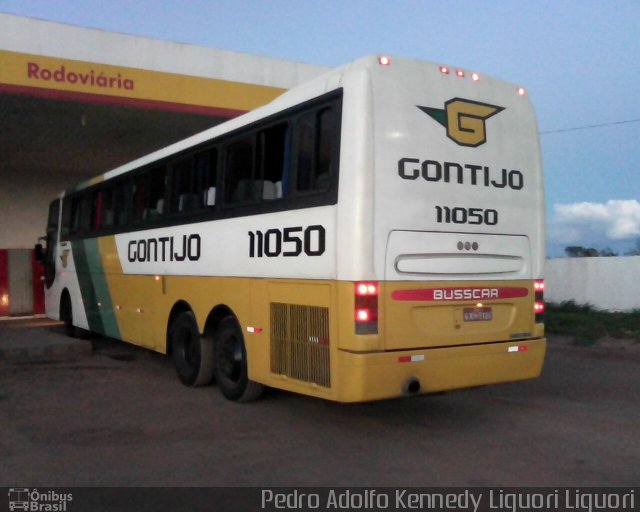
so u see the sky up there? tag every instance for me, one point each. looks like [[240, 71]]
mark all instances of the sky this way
[[578, 59]]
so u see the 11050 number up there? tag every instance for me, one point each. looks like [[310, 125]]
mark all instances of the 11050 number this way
[[292, 241], [447, 215]]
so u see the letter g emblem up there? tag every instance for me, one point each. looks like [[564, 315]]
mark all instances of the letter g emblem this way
[[464, 120]]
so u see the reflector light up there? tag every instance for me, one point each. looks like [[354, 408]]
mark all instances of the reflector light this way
[[444, 70], [383, 60], [460, 73], [411, 359], [475, 77], [522, 91]]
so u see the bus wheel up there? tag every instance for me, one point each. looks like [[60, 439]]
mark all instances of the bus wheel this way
[[66, 315], [192, 353], [231, 363]]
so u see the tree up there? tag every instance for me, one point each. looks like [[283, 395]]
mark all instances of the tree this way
[[577, 251], [636, 250]]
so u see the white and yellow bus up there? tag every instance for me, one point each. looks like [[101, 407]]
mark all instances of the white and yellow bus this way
[[375, 233]]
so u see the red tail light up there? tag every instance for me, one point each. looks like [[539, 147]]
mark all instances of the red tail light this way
[[366, 307], [538, 305]]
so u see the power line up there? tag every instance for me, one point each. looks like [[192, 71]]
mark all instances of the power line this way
[[590, 126]]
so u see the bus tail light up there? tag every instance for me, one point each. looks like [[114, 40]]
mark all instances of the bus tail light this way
[[538, 305], [366, 307]]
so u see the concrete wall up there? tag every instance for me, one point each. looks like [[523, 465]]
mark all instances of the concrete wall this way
[[611, 284]]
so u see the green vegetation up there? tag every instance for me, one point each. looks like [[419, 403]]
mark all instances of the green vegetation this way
[[587, 324]]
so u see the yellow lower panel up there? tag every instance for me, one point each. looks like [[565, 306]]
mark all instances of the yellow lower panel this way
[[364, 377]]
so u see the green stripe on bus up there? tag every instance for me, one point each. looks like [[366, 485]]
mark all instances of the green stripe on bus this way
[[94, 288]]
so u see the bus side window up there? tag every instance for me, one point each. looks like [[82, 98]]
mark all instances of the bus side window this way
[[157, 190], [207, 178], [239, 183], [76, 224], [148, 195], [65, 225], [315, 134], [102, 213], [140, 197], [273, 160], [305, 135], [183, 190], [121, 203], [324, 149], [96, 210]]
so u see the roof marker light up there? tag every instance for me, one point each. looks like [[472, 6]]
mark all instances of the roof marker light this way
[[475, 77], [384, 60], [444, 70], [522, 91], [460, 73]]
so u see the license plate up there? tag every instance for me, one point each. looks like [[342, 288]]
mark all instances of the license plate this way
[[477, 314]]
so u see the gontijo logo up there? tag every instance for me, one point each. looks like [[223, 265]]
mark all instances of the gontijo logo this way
[[464, 120]]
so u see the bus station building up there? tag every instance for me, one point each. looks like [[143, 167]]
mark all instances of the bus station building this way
[[76, 102]]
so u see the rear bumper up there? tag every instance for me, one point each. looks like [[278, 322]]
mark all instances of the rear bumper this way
[[380, 375]]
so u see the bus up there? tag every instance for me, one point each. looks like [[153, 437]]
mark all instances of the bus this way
[[377, 232]]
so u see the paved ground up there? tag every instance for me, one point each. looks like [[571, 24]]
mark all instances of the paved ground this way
[[117, 416], [37, 339]]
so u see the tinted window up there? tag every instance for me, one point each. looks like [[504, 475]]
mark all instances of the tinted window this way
[[239, 183]]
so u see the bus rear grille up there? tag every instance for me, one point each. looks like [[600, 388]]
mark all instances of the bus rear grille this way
[[300, 343]]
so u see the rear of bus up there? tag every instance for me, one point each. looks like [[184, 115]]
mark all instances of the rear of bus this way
[[451, 294]]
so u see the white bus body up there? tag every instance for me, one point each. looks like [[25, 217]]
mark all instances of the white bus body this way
[[416, 267]]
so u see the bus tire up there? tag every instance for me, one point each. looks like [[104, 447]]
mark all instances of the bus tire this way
[[231, 363], [192, 353], [66, 315]]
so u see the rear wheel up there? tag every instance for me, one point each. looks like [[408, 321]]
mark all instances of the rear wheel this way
[[231, 363], [192, 353]]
